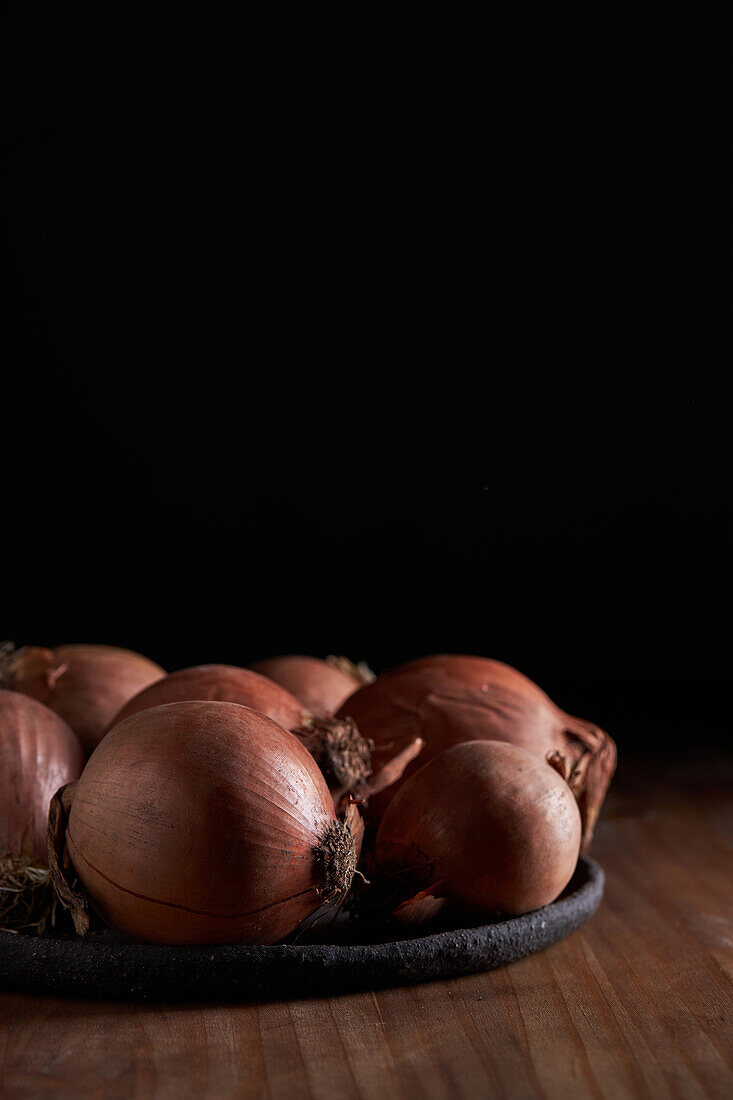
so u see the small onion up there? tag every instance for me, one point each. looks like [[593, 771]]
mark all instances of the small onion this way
[[38, 752], [446, 700], [203, 822], [85, 684], [322, 686], [341, 752], [486, 827]]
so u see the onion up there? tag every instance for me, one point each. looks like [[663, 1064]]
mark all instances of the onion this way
[[38, 752], [486, 827], [322, 686], [85, 684], [203, 822], [449, 699], [341, 752], [223, 684]]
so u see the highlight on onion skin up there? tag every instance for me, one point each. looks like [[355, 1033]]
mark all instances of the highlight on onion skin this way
[[486, 828], [321, 686], [202, 822], [449, 699], [38, 751], [85, 684]]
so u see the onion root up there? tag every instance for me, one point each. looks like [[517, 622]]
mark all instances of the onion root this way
[[27, 899]]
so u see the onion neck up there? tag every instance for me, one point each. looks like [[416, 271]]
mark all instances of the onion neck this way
[[336, 858], [361, 672], [342, 754]]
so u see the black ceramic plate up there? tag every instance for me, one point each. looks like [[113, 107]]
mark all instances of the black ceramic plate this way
[[101, 967]]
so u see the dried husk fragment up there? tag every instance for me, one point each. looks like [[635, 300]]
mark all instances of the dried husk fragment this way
[[63, 876]]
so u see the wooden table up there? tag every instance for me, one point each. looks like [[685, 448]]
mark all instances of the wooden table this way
[[637, 1003]]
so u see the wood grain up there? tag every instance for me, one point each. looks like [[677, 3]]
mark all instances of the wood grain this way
[[639, 1003]]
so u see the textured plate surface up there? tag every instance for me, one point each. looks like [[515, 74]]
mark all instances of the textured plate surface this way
[[104, 968]]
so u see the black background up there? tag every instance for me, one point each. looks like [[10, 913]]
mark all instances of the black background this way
[[374, 339]]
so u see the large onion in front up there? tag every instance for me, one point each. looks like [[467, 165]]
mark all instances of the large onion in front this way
[[485, 827], [448, 699], [85, 684], [204, 822]]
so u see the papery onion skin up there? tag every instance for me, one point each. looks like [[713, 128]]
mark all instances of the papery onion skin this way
[[321, 686], [449, 699], [85, 684], [205, 822], [223, 684], [38, 753], [486, 825]]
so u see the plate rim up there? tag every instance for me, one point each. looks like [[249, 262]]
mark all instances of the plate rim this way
[[119, 969]]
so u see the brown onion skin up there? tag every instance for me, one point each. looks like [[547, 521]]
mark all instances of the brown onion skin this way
[[449, 699], [320, 686], [486, 825], [197, 822], [39, 752], [85, 684], [223, 684]]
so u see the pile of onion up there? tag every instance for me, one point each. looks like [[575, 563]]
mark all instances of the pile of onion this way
[[446, 700], [321, 686], [38, 753], [202, 822], [85, 684], [341, 752], [486, 827], [222, 804]]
